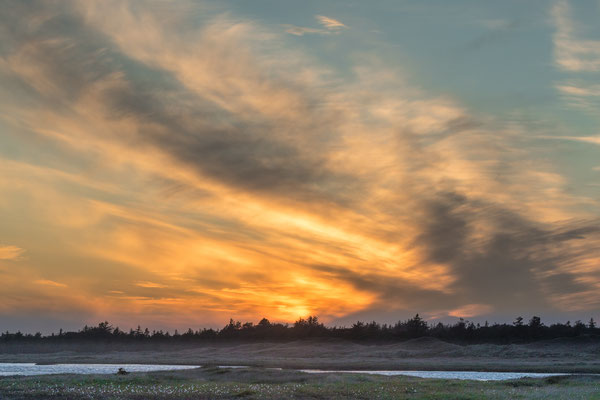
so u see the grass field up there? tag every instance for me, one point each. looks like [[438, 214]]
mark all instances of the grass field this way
[[258, 383], [565, 355]]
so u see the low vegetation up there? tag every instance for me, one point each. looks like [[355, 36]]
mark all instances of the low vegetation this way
[[217, 383]]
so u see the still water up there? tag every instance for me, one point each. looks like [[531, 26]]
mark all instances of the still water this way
[[8, 369], [461, 375]]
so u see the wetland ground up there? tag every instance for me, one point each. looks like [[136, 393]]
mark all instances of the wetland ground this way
[[578, 355], [260, 383]]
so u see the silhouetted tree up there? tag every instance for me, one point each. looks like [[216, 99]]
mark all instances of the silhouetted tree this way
[[535, 327], [264, 323], [461, 331], [579, 327], [416, 327]]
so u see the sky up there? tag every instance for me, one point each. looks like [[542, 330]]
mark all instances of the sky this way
[[175, 164]]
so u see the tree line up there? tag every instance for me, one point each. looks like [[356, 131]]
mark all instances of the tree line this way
[[461, 331]]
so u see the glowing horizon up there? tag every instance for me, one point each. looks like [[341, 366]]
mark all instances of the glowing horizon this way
[[178, 164]]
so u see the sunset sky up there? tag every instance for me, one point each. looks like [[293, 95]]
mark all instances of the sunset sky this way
[[176, 163]]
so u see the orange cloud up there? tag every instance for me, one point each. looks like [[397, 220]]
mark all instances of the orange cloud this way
[[10, 252], [471, 310], [47, 282], [245, 179], [150, 285]]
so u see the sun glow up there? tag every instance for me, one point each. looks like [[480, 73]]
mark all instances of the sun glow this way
[[165, 168]]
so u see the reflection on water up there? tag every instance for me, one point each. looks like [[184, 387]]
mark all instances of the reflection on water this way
[[8, 369], [462, 375]]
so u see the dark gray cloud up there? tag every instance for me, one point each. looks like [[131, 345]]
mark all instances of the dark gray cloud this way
[[518, 267], [250, 154], [514, 266], [392, 292]]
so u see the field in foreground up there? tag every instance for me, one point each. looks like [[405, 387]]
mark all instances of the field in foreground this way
[[258, 383], [577, 355]]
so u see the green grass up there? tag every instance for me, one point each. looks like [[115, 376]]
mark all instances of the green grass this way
[[255, 383], [548, 356]]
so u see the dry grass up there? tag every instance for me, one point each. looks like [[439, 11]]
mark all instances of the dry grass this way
[[426, 354]]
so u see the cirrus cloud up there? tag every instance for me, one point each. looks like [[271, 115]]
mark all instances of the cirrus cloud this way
[[243, 176], [10, 252]]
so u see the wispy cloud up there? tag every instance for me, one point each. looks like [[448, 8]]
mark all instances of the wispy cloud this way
[[150, 285], [303, 30], [580, 90], [576, 56], [330, 26], [47, 282], [10, 252], [254, 180], [586, 139], [572, 53], [330, 23], [471, 310]]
